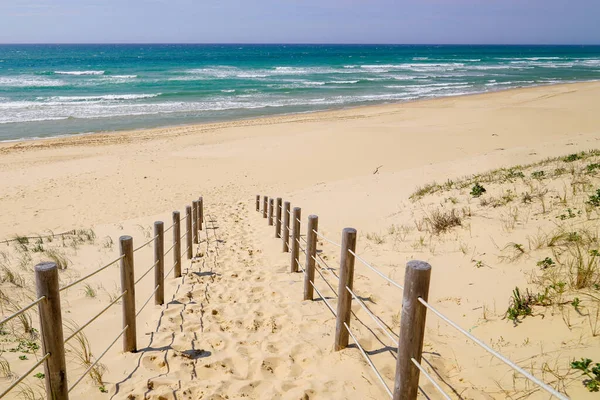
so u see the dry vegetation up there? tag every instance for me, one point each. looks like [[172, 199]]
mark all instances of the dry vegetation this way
[[542, 220], [19, 338]]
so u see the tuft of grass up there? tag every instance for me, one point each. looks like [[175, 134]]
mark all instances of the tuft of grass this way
[[441, 221], [520, 305], [376, 238], [107, 242], [11, 276], [5, 370], [583, 267], [62, 262], [80, 346], [89, 291]]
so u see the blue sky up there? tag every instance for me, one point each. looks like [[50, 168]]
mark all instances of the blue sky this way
[[300, 21]]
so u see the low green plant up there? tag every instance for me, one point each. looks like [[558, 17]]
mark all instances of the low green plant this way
[[23, 357], [568, 215], [594, 199], [546, 263], [572, 157], [477, 190], [25, 346], [538, 175], [576, 303], [103, 389], [591, 168], [39, 375], [521, 305], [592, 383]]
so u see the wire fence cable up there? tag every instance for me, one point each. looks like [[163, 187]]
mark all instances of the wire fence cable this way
[[430, 379], [146, 273], [375, 318], [25, 375], [387, 389], [98, 359], [493, 352], [376, 270], [96, 317], [147, 301], [70, 285], [146, 244], [21, 311], [327, 240]]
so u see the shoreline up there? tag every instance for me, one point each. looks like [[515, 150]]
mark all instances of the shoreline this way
[[115, 136]]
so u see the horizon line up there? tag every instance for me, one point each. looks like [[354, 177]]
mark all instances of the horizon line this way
[[298, 44]]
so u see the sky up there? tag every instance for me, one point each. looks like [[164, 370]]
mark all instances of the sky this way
[[301, 21]]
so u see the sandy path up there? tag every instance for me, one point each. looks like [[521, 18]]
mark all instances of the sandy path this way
[[236, 327]]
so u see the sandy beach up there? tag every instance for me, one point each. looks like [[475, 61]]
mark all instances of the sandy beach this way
[[236, 325]]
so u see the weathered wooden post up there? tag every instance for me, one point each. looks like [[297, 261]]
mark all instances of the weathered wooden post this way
[[258, 202], [295, 239], [412, 329], [159, 262], [286, 226], [55, 368], [311, 255], [195, 221], [188, 235], [200, 212], [177, 244], [128, 287], [344, 297], [265, 206], [271, 206], [278, 218]]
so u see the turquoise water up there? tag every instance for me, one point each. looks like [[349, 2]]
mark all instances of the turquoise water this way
[[49, 90]]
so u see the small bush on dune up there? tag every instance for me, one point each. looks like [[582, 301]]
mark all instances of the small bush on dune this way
[[441, 221], [477, 190]]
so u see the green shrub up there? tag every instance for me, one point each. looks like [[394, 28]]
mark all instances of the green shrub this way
[[593, 374], [477, 190]]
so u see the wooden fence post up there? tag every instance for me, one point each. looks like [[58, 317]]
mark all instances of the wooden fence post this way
[[177, 244], [55, 368], [344, 297], [200, 213], [412, 329], [295, 239], [311, 255], [271, 206], [265, 206], [188, 235], [258, 202], [278, 218], [286, 226], [195, 221], [128, 287], [159, 262]]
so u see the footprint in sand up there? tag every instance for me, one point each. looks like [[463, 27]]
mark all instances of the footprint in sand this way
[[154, 363]]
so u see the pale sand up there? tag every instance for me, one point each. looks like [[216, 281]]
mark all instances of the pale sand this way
[[260, 339]]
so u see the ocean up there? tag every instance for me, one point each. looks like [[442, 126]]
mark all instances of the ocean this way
[[52, 90]]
